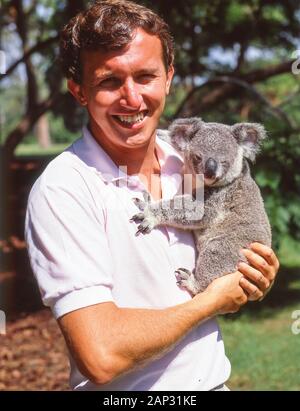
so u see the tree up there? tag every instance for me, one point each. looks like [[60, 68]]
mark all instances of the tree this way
[[233, 63]]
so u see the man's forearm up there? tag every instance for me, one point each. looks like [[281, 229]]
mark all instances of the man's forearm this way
[[136, 336], [107, 341]]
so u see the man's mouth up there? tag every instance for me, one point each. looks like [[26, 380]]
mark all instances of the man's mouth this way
[[130, 120]]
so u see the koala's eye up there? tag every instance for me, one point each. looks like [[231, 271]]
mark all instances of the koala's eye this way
[[197, 157]]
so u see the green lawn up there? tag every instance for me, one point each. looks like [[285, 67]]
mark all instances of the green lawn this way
[[263, 351], [32, 150]]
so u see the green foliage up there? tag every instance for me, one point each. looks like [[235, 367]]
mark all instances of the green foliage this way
[[12, 102], [213, 38], [60, 134]]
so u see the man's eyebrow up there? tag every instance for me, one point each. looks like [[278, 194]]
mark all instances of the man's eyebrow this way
[[100, 76], [146, 71], [105, 74]]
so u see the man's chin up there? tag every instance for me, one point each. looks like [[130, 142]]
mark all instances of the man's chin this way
[[138, 135], [140, 139]]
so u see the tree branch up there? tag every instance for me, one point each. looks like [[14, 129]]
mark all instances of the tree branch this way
[[226, 90], [26, 124], [35, 49], [21, 24], [274, 70], [276, 110]]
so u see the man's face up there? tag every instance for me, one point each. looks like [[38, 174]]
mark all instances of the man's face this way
[[124, 91]]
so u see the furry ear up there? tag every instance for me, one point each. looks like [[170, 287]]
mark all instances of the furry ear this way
[[249, 136], [182, 131]]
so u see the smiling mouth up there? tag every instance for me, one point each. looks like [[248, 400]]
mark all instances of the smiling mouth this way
[[131, 120]]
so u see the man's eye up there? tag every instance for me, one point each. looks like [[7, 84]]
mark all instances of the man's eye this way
[[109, 82], [143, 78]]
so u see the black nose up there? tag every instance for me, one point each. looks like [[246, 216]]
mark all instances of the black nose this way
[[210, 168]]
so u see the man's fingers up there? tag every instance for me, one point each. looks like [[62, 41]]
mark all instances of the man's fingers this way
[[267, 253], [259, 263], [256, 276], [253, 292]]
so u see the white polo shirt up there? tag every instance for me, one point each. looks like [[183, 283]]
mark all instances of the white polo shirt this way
[[84, 251]]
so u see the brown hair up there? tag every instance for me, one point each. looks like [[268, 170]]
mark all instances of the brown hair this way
[[109, 25]]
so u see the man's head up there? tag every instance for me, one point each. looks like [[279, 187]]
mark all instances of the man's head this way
[[118, 57], [109, 25]]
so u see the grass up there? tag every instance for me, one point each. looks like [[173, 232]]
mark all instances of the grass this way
[[264, 353], [259, 342], [32, 150]]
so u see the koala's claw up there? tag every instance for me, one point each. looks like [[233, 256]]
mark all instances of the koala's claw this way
[[146, 218], [185, 279], [182, 274], [147, 197], [147, 224], [137, 218], [144, 228], [139, 203]]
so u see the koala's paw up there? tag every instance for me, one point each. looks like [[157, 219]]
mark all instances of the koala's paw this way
[[147, 222], [186, 279], [146, 219], [140, 203]]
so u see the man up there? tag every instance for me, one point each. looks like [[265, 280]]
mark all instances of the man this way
[[127, 325]]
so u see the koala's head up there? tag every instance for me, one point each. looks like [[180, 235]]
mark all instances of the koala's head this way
[[216, 150]]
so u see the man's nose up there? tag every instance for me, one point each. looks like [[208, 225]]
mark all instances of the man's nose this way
[[130, 96]]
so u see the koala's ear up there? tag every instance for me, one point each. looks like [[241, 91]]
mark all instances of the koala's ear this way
[[249, 136], [182, 131]]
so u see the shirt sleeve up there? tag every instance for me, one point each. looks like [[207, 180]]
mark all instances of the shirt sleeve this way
[[67, 245]]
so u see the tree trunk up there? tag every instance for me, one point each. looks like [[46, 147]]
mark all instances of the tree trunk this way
[[5, 180], [42, 132]]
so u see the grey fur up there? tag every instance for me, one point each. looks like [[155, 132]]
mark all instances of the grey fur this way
[[233, 213]]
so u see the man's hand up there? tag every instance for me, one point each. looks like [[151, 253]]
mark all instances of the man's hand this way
[[260, 272], [226, 293]]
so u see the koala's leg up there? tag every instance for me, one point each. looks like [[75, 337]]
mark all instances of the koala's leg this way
[[180, 211], [186, 279], [216, 257]]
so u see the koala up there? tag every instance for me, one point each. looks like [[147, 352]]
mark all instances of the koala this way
[[231, 214]]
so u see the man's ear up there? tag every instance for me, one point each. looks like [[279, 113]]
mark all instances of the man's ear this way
[[170, 75], [76, 90], [249, 136], [182, 131]]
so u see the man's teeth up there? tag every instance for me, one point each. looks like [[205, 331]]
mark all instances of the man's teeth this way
[[137, 118]]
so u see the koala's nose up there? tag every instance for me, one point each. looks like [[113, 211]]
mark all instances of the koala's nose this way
[[210, 168]]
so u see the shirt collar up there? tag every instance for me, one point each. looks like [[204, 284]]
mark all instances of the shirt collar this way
[[93, 155]]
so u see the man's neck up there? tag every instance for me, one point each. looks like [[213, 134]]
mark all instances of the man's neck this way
[[141, 161]]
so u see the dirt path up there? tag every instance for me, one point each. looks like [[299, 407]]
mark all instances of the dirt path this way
[[33, 355]]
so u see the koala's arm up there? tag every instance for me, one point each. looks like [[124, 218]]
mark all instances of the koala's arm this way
[[182, 212]]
